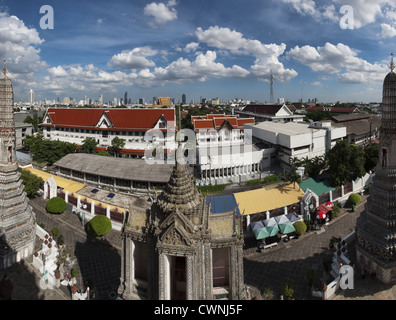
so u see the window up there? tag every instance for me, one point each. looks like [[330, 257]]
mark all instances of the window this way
[[140, 260]]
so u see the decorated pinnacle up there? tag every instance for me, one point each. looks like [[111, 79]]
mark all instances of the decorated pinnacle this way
[[392, 65], [4, 67]]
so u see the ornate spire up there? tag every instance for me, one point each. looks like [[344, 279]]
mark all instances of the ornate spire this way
[[392, 65], [4, 67]]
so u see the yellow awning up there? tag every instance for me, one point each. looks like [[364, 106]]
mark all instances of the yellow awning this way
[[262, 200]]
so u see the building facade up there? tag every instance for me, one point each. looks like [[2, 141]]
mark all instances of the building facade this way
[[300, 140], [376, 227], [180, 250], [17, 219], [270, 112], [74, 125]]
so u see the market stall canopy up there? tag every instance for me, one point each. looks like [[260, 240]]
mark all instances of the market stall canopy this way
[[256, 225], [270, 222], [321, 215], [272, 230], [287, 227], [261, 233], [293, 217], [281, 219]]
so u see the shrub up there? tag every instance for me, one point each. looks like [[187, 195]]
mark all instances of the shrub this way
[[55, 231], [354, 198], [300, 227], [56, 205], [99, 226], [267, 294], [288, 291], [74, 273]]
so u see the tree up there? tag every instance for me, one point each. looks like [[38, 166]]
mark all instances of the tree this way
[[89, 145], [56, 205], [34, 121], [294, 177], [346, 163], [116, 145], [371, 156], [354, 198], [31, 182]]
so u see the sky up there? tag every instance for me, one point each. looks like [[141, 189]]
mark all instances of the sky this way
[[332, 50]]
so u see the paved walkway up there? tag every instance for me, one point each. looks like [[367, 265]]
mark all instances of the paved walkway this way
[[99, 262]]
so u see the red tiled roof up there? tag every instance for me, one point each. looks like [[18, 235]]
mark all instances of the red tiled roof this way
[[216, 123], [121, 119]]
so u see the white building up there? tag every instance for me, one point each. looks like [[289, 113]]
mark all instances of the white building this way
[[74, 125], [298, 139], [225, 153], [31, 96], [270, 112]]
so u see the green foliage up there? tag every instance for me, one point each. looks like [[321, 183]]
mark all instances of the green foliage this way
[[56, 205], [103, 153], [354, 198], [47, 151], [300, 227], [336, 209], [34, 121], [74, 273], [272, 179], [116, 145], [288, 290], [212, 189], [371, 156], [99, 225], [320, 115], [55, 231], [88, 146], [267, 294], [346, 162], [31, 182]]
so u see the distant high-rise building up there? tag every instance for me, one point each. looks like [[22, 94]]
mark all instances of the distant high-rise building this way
[[126, 97], [154, 100], [31, 96], [101, 100], [184, 99], [141, 101]]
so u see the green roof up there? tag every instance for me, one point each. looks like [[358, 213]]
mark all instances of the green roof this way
[[318, 188]]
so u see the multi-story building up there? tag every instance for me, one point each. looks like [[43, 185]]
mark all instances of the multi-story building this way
[[270, 112], [224, 153], [300, 140], [74, 125]]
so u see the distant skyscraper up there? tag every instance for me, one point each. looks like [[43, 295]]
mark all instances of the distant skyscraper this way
[[101, 100], [31, 96], [184, 99], [126, 97]]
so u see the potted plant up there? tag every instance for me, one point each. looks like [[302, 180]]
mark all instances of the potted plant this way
[[288, 291], [267, 294]]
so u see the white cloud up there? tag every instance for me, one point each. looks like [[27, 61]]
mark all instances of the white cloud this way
[[18, 45], [387, 31], [161, 13], [267, 55], [191, 47], [58, 71], [133, 59], [339, 59], [302, 6]]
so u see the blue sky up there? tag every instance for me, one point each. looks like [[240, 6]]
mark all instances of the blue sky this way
[[207, 48]]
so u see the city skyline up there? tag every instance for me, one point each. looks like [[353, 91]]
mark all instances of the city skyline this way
[[333, 50]]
